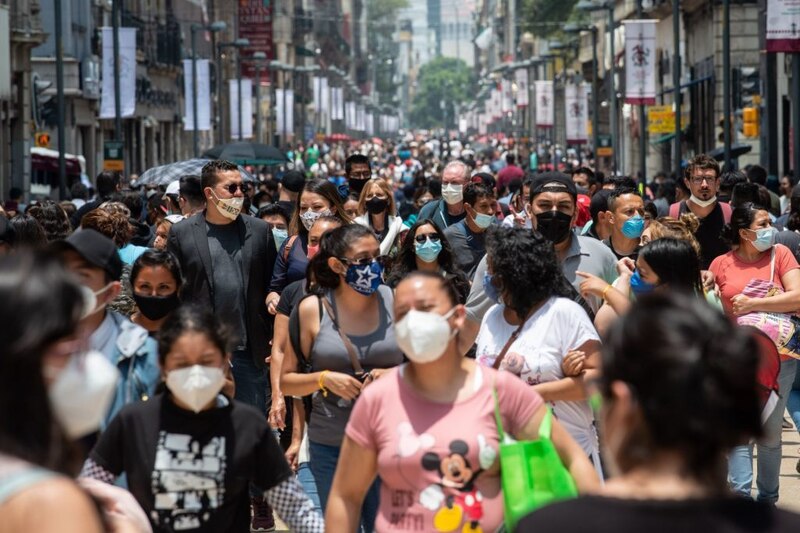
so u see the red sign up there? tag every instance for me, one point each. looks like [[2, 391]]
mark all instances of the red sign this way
[[255, 24]]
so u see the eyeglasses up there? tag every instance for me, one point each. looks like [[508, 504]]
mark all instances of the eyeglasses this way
[[361, 175], [433, 237], [698, 180], [233, 187], [364, 261]]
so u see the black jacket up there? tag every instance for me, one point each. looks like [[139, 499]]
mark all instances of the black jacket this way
[[189, 242]]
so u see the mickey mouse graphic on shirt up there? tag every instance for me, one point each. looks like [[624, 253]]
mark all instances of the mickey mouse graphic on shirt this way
[[459, 476]]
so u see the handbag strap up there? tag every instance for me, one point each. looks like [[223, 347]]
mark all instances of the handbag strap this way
[[545, 428], [351, 351], [509, 342], [497, 417]]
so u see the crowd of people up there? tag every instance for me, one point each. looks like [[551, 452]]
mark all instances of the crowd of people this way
[[348, 343]]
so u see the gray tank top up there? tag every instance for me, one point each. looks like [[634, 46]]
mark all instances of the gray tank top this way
[[378, 349]]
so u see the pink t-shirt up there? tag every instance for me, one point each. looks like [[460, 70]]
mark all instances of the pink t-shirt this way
[[438, 462], [732, 274]]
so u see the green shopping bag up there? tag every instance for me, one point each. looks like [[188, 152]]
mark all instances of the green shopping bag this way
[[531, 472]]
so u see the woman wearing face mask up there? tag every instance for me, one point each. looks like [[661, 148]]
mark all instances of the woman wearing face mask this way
[[426, 248], [318, 198], [347, 335], [755, 256], [378, 212], [428, 428], [156, 282], [678, 393], [51, 391], [189, 453], [546, 332]]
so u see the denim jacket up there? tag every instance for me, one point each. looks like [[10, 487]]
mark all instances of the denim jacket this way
[[136, 357]]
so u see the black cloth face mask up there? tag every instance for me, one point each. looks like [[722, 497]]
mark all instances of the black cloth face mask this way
[[156, 307], [376, 205], [554, 225]]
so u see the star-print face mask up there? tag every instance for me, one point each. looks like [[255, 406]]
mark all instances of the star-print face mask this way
[[365, 279]]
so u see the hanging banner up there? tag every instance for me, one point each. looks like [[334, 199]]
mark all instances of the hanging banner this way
[[640, 62], [246, 108], [255, 19], [576, 109], [337, 103], [284, 112], [507, 96], [360, 119], [325, 96], [350, 115], [482, 123], [497, 106], [203, 96], [544, 104], [783, 26], [127, 73], [521, 77], [370, 123], [316, 83]]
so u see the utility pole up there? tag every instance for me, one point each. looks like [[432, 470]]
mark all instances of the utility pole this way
[[642, 124], [726, 80], [676, 84], [62, 163]]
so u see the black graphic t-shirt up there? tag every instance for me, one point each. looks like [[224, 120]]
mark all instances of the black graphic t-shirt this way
[[190, 472]]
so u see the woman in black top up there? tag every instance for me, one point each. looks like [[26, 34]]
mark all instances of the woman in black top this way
[[190, 453], [679, 391]]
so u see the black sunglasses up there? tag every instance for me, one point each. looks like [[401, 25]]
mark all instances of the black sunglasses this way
[[364, 261], [432, 236], [233, 187]]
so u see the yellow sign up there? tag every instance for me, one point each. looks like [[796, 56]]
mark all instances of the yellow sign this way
[[42, 140], [660, 119], [114, 165], [605, 151]]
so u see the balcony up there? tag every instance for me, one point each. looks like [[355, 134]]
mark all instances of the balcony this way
[[25, 23], [159, 44]]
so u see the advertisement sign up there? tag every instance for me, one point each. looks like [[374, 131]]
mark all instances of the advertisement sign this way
[[640, 62], [255, 25], [544, 104], [783, 26]]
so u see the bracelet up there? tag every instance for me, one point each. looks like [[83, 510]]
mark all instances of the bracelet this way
[[605, 291], [321, 383]]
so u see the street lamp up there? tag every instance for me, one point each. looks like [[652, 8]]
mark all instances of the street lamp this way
[[214, 27], [574, 28], [259, 59], [589, 6], [238, 44]]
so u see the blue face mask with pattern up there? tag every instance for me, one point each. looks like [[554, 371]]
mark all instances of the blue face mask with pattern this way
[[365, 279]]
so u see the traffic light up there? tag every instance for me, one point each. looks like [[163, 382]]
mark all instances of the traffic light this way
[[721, 125], [746, 86], [41, 107], [750, 123]]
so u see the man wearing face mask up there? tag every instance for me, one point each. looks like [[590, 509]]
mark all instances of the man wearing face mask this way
[[626, 209], [449, 209], [358, 172], [702, 179], [467, 238], [553, 211], [94, 260]]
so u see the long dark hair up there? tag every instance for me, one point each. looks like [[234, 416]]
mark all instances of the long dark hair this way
[[327, 190], [334, 243], [41, 303], [741, 218], [675, 262], [406, 260], [691, 401], [524, 267], [192, 319], [156, 258]]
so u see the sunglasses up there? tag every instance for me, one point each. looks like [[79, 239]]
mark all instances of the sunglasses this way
[[233, 187], [364, 261], [433, 237]]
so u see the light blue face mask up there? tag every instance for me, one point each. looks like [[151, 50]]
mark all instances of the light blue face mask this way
[[483, 221], [633, 227], [279, 235], [428, 251], [765, 238]]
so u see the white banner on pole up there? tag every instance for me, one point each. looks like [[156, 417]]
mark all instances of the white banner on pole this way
[[576, 108], [783, 26], [325, 96], [640, 62], [337, 103], [316, 82], [544, 103], [246, 108], [370, 118], [521, 77], [497, 106], [482, 121], [203, 96], [350, 115], [127, 73], [361, 118], [284, 122]]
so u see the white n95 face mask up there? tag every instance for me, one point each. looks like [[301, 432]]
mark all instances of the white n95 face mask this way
[[423, 336], [82, 392], [452, 193], [196, 385]]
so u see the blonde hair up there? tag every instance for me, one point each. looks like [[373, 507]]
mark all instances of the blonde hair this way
[[683, 228], [384, 187]]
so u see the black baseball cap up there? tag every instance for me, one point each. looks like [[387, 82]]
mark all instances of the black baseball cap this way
[[95, 248], [553, 182], [293, 181]]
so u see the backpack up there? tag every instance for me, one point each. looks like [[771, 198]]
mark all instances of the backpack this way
[[678, 208]]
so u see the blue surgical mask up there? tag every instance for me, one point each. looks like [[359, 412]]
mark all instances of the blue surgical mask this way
[[490, 290], [279, 235], [765, 238], [640, 286], [428, 251], [365, 279], [633, 227], [483, 221]]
